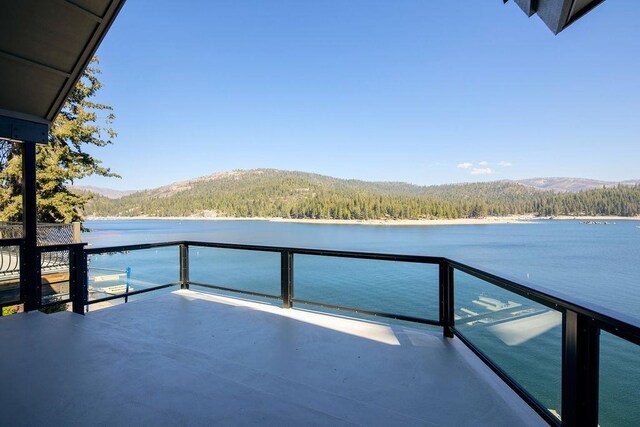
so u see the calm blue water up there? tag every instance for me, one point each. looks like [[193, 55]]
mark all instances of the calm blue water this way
[[599, 264]]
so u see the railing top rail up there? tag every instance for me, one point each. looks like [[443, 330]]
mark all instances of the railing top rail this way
[[11, 242], [266, 248], [322, 252], [612, 321], [136, 247], [60, 247]]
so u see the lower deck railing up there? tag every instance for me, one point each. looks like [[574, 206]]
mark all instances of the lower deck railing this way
[[571, 330]]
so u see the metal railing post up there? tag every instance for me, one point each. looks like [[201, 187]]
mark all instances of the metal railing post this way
[[79, 286], [22, 268], [30, 260], [184, 266], [33, 281], [580, 376], [446, 298], [127, 285], [286, 278]]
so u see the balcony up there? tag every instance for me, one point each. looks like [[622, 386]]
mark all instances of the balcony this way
[[459, 346], [263, 339]]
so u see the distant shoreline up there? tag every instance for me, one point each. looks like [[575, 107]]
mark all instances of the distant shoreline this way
[[515, 219]]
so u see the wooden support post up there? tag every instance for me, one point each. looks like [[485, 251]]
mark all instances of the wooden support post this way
[[77, 232]]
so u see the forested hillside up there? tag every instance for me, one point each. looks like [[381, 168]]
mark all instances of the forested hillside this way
[[274, 193]]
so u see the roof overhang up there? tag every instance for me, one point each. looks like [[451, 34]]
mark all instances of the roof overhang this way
[[45, 45], [557, 14]]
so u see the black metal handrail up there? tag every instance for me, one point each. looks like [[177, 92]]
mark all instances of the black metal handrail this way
[[320, 252], [581, 325], [10, 242], [126, 248], [619, 324]]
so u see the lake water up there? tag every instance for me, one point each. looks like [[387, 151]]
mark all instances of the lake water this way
[[599, 264]]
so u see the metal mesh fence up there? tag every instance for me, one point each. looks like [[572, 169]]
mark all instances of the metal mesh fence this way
[[47, 234]]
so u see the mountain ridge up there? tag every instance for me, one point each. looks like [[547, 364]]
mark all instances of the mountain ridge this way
[[558, 184], [572, 185], [109, 193], [293, 194]]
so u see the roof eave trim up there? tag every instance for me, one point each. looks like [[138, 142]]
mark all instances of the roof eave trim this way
[[23, 116]]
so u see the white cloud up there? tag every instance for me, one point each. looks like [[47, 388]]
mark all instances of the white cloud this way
[[481, 171], [481, 168]]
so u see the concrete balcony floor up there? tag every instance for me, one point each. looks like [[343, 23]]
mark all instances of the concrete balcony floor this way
[[191, 358]]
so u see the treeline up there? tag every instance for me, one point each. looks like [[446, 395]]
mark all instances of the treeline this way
[[271, 193]]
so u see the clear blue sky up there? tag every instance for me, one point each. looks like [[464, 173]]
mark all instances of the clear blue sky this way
[[419, 91]]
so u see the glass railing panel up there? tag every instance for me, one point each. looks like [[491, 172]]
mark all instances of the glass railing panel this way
[[523, 338], [619, 382], [54, 270], [244, 270], [403, 288], [9, 274], [119, 273]]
